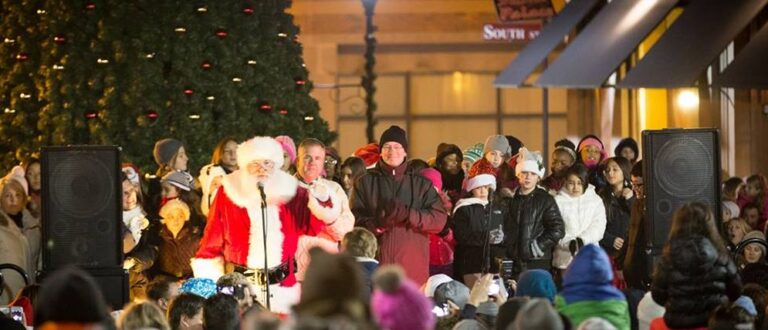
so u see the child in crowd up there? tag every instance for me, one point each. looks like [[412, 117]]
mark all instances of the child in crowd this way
[[471, 155], [617, 197], [591, 152], [737, 229], [751, 213], [362, 244], [134, 218], [351, 169], [755, 192], [496, 153], [562, 158], [732, 189], [441, 245], [754, 252], [479, 231], [583, 213]]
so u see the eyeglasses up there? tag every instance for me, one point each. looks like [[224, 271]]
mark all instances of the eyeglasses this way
[[390, 148], [331, 161]]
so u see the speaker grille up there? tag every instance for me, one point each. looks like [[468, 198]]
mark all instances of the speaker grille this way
[[681, 166], [81, 206]]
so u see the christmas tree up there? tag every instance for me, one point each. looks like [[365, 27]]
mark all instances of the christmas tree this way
[[129, 73]]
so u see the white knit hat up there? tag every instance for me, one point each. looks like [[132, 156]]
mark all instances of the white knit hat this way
[[733, 208], [528, 161], [17, 174], [260, 148], [481, 180]]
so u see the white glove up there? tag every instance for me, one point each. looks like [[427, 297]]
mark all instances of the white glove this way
[[319, 191]]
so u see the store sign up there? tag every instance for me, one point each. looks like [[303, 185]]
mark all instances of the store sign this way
[[522, 10], [512, 32]]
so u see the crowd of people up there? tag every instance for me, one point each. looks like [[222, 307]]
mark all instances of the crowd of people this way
[[274, 235]]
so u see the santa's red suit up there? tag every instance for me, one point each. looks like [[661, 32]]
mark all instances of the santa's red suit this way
[[233, 234]]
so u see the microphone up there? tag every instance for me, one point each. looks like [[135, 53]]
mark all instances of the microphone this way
[[263, 195]]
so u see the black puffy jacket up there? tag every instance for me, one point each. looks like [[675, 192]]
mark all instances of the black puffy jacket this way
[[532, 217], [692, 279], [617, 213], [472, 229]]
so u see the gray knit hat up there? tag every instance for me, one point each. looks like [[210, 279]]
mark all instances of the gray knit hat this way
[[165, 149], [496, 142]]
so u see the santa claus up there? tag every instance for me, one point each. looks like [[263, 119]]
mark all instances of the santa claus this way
[[233, 238]]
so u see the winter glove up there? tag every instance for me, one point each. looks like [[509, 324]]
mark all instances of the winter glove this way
[[319, 191], [396, 213], [496, 236]]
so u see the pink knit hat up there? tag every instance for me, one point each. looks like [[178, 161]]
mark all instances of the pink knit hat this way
[[433, 175], [288, 146], [397, 304]]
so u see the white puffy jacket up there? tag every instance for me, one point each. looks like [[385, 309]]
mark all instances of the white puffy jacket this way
[[584, 217]]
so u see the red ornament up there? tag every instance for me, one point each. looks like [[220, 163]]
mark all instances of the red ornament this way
[[206, 65], [189, 91], [265, 107], [22, 57], [300, 82], [59, 39], [221, 33], [91, 115], [283, 111], [152, 115], [248, 10], [90, 6]]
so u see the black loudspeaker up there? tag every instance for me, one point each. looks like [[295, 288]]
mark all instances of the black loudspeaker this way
[[679, 166], [81, 207]]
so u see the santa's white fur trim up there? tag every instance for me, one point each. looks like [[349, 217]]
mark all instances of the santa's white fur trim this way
[[530, 166], [260, 148], [275, 238], [325, 214], [242, 188], [212, 268]]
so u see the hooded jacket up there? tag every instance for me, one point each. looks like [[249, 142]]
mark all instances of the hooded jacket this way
[[379, 193], [584, 217], [692, 279], [588, 290]]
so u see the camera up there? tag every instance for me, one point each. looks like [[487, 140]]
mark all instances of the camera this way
[[15, 312], [495, 286]]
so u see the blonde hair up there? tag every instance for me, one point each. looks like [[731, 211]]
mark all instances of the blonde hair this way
[[741, 224], [175, 208], [144, 315], [360, 243]]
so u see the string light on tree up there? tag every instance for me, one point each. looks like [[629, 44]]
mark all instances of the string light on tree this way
[[91, 115], [41, 11], [102, 61], [237, 80], [202, 9], [189, 91], [180, 29], [151, 55], [194, 116], [22, 57], [300, 82], [152, 115], [9, 41], [9, 110], [248, 10], [251, 62], [25, 95], [282, 35], [90, 6], [265, 106], [283, 111], [210, 98], [206, 65], [58, 67], [60, 39], [221, 33]]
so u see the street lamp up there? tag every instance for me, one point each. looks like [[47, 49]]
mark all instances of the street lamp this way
[[369, 76]]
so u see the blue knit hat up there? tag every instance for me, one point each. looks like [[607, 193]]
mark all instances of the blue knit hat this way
[[203, 287], [536, 283]]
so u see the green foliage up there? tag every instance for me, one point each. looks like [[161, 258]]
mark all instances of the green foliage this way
[[95, 72]]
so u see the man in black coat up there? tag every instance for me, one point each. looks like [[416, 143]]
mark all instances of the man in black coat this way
[[534, 224]]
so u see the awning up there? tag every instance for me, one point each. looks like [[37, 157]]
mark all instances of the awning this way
[[693, 41], [537, 50], [749, 69], [606, 42]]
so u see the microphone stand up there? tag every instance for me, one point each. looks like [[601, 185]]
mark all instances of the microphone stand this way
[[264, 240], [486, 267]]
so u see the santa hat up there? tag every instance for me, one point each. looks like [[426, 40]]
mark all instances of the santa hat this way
[[369, 153], [17, 174], [481, 180], [528, 161], [131, 172], [398, 304], [260, 148], [288, 146]]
